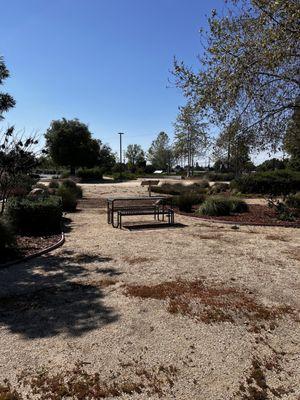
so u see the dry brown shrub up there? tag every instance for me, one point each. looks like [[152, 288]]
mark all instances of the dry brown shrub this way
[[209, 303]]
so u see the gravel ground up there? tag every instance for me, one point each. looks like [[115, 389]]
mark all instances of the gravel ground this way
[[71, 306]]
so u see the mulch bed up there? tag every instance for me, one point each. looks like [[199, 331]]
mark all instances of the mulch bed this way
[[29, 245], [257, 215]]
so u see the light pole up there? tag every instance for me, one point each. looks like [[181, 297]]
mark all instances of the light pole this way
[[121, 133]]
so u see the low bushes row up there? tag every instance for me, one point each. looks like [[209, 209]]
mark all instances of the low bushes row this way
[[90, 174], [277, 183], [219, 176], [179, 189]]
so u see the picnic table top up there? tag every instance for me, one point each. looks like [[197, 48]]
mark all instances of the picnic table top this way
[[109, 199]]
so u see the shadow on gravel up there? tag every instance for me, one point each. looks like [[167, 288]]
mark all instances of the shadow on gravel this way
[[46, 297]]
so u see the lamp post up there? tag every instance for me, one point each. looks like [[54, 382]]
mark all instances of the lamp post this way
[[121, 133]]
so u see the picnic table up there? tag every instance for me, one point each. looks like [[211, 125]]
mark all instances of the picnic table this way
[[140, 205]]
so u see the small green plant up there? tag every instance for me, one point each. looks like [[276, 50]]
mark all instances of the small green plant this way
[[69, 198], [73, 187], [283, 211]]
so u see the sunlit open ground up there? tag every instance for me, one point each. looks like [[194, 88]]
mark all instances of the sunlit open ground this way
[[226, 327]]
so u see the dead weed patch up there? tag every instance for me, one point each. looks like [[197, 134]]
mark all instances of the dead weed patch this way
[[277, 238], [78, 383], [209, 303], [137, 260], [256, 386], [293, 254]]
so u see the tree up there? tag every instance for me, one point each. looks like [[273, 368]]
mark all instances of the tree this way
[[106, 158], [16, 155], [6, 100], [250, 68], [191, 139], [16, 160], [160, 152], [232, 150], [70, 143], [292, 138], [135, 155], [272, 164]]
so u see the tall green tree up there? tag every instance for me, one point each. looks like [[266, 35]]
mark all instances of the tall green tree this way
[[292, 138], [135, 155], [250, 68], [160, 152], [70, 143], [6, 100], [191, 139], [232, 150]]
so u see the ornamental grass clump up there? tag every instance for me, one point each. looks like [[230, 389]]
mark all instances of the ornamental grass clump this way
[[222, 206]]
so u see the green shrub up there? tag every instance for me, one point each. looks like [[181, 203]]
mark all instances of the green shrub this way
[[68, 197], [35, 216], [221, 206], [64, 175], [126, 176], [215, 206], [201, 184], [90, 174], [7, 239], [293, 201], [177, 189], [219, 187], [73, 187], [53, 184], [276, 183], [186, 201]]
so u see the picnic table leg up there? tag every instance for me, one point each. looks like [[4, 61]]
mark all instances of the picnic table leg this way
[[108, 214]]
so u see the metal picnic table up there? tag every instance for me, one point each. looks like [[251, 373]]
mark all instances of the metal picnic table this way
[[138, 205]]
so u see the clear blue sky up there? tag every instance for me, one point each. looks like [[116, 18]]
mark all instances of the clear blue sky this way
[[106, 62]]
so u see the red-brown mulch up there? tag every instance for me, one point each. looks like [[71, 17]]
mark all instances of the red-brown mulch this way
[[257, 215], [30, 245]]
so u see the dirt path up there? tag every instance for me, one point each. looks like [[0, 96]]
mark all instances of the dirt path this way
[[71, 306]]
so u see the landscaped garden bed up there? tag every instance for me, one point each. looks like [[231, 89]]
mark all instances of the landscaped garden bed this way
[[28, 246], [257, 214]]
